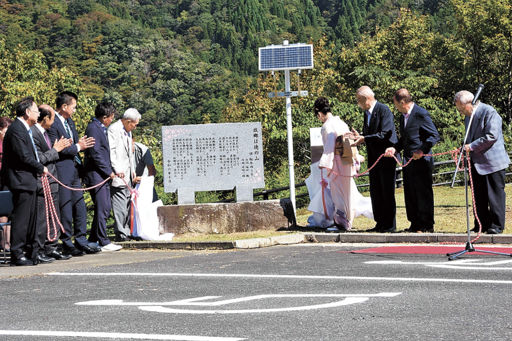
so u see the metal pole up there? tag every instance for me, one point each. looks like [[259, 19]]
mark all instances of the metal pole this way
[[290, 139]]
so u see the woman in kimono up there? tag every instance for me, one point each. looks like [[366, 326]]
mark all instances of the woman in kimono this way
[[338, 171]]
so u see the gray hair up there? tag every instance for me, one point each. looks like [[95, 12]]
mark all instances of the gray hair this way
[[131, 114], [463, 97], [365, 92]]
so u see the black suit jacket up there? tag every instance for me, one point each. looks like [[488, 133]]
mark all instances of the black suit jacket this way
[[66, 164], [420, 133], [97, 158], [380, 133], [19, 164], [47, 155]]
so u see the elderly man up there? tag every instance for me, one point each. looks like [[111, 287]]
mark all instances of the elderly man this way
[[48, 155], [417, 136], [379, 134], [123, 164], [20, 167], [488, 161]]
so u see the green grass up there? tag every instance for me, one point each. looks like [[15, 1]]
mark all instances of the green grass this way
[[450, 217], [449, 211]]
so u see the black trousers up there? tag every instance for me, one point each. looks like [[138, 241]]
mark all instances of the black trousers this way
[[418, 194], [382, 193], [23, 224], [490, 199]]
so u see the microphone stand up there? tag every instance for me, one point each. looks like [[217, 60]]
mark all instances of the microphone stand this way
[[469, 245]]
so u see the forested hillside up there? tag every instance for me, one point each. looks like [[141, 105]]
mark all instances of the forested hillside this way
[[195, 61]]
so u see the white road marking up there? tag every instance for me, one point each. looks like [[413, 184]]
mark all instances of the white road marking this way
[[128, 336], [345, 301], [306, 277], [475, 264], [195, 301], [160, 306]]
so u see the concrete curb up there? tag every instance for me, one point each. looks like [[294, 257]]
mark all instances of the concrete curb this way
[[405, 238], [316, 237], [149, 244], [271, 241]]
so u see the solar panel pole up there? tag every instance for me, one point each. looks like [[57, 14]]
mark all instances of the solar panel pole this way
[[290, 137], [287, 57]]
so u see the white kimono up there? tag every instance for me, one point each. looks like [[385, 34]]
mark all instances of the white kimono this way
[[338, 172]]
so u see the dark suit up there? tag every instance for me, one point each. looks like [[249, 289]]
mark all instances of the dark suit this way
[[489, 161], [419, 134], [97, 169], [380, 134], [73, 211], [19, 173], [47, 156]]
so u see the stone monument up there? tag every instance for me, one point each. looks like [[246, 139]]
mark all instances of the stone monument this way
[[211, 157]]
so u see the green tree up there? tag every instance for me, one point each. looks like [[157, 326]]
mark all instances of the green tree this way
[[484, 28]]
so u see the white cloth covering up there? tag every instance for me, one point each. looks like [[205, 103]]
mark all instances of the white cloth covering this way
[[148, 224]]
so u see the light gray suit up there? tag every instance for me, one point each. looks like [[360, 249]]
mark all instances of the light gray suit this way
[[489, 160], [123, 161], [486, 139]]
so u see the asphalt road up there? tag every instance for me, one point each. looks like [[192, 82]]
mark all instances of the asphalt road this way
[[300, 292]]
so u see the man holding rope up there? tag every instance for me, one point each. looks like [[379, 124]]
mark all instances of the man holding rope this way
[[378, 134], [20, 167], [417, 136], [489, 160], [48, 154]]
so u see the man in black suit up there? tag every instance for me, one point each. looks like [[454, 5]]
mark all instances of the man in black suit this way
[[48, 154], [417, 136], [20, 167], [97, 169], [379, 134], [72, 205]]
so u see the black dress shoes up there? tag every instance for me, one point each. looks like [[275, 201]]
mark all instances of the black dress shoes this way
[[22, 261], [40, 258], [89, 249], [57, 255], [493, 231], [72, 251]]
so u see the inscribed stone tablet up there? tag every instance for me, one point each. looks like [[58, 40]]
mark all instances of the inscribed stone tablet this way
[[207, 157]]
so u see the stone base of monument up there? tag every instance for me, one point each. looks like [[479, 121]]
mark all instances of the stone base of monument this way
[[226, 217]]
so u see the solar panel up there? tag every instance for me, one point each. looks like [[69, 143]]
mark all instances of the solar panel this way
[[286, 57]]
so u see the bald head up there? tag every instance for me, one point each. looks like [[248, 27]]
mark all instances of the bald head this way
[[366, 92], [402, 95], [365, 97], [402, 100]]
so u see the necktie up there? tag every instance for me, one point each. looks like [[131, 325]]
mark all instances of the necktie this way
[[406, 118], [47, 140], [68, 131], [368, 117], [33, 144]]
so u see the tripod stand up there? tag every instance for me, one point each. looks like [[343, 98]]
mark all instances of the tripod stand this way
[[469, 245]]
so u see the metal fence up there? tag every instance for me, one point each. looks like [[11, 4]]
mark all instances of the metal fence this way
[[440, 178]]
